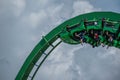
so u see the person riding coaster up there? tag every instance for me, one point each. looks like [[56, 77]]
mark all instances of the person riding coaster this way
[[80, 36], [109, 38], [96, 38]]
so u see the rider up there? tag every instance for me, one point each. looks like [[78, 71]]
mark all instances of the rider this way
[[91, 35], [96, 38], [110, 40], [80, 36]]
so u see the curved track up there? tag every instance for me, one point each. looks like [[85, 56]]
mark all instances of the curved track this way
[[47, 41]]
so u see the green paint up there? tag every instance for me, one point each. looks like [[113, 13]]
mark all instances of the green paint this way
[[60, 31]]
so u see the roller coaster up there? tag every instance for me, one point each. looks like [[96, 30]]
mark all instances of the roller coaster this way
[[96, 28]]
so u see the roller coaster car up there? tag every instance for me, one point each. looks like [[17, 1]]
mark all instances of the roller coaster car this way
[[68, 33], [110, 26], [93, 27]]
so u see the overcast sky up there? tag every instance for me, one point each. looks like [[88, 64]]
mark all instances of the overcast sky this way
[[24, 22]]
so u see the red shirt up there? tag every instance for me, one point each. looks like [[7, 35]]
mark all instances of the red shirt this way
[[96, 36]]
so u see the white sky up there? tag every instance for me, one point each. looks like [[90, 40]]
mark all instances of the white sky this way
[[22, 24]]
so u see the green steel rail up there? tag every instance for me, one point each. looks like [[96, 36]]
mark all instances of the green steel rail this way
[[51, 37]]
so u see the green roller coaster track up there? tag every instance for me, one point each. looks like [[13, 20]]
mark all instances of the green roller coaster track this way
[[75, 24]]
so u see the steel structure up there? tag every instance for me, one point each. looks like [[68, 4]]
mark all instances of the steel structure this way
[[66, 34]]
